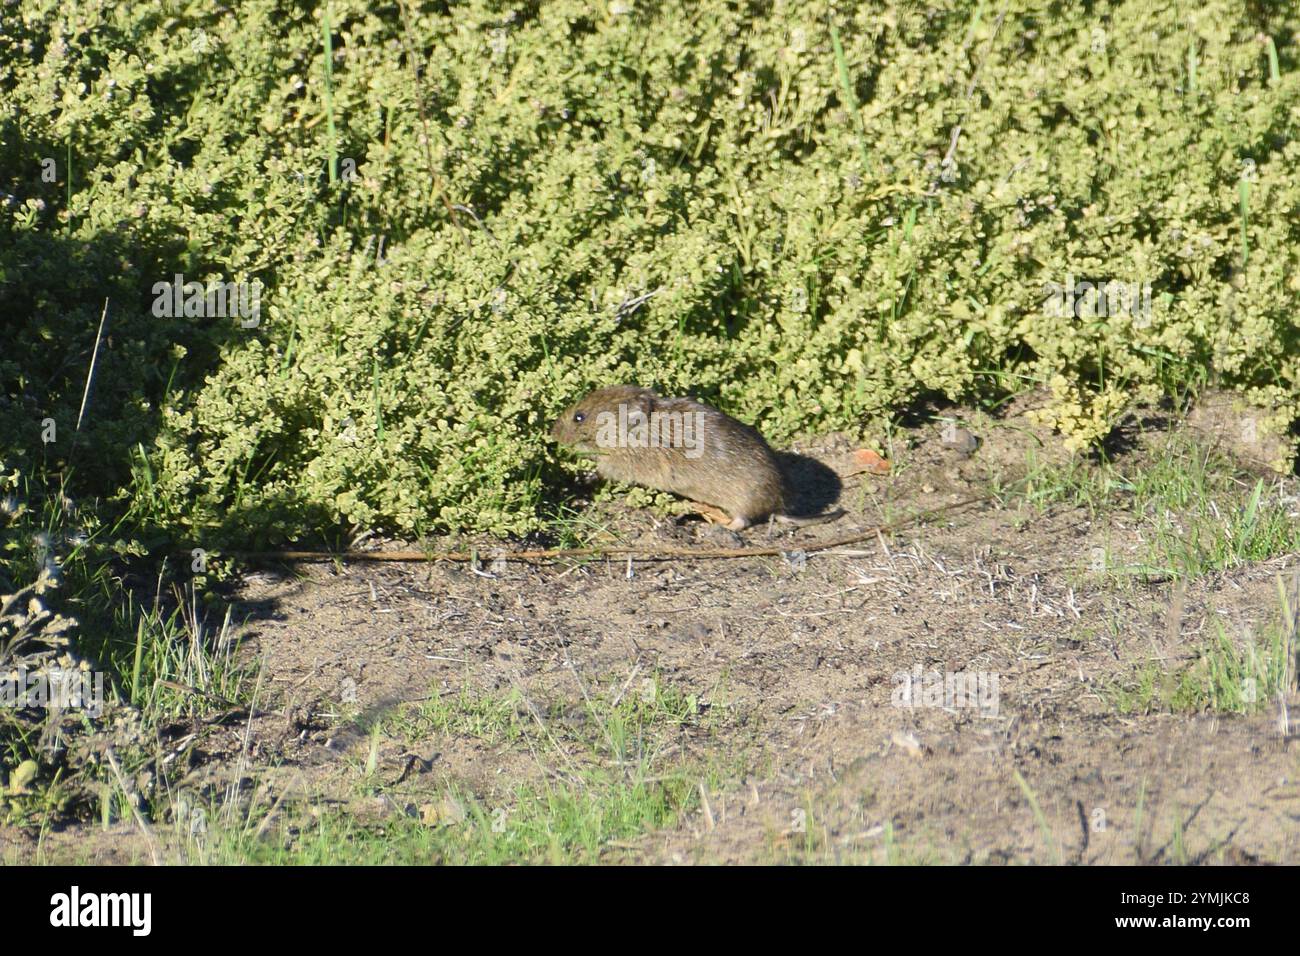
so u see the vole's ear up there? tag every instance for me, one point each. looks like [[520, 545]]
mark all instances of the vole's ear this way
[[637, 403], [645, 401]]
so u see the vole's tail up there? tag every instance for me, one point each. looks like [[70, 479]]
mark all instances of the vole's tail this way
[[802, 522]]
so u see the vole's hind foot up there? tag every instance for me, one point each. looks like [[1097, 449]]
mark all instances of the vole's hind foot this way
[[715, 515]]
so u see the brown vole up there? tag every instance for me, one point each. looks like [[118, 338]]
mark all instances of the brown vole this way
[[682, 446]]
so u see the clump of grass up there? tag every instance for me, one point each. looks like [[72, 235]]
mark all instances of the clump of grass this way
[[556, 822], [609, 775], [1075, 482], [494, 720], [155, 656], [1245, 679], [1194, 510], [182, 660], [1222, 530], [1248, 675], [575, 529], [1152, 689]]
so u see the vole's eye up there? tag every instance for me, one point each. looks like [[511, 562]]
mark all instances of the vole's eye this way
[[579, 417]]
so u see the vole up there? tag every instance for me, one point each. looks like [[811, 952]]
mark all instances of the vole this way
[[682, 446]]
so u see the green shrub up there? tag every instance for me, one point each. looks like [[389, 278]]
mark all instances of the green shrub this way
[[557, 195]]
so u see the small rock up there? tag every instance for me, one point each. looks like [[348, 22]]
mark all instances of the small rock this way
[[959, 440]]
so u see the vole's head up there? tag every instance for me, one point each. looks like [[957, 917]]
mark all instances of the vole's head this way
[[596, 423]]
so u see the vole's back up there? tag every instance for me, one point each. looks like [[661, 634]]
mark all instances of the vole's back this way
[[700, 453]]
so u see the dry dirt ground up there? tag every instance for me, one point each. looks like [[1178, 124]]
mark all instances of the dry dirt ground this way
[[793, 663]]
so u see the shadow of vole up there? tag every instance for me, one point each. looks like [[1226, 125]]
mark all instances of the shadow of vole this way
[[811, 487]]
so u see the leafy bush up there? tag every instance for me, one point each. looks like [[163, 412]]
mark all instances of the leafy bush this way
[[733, 199]]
